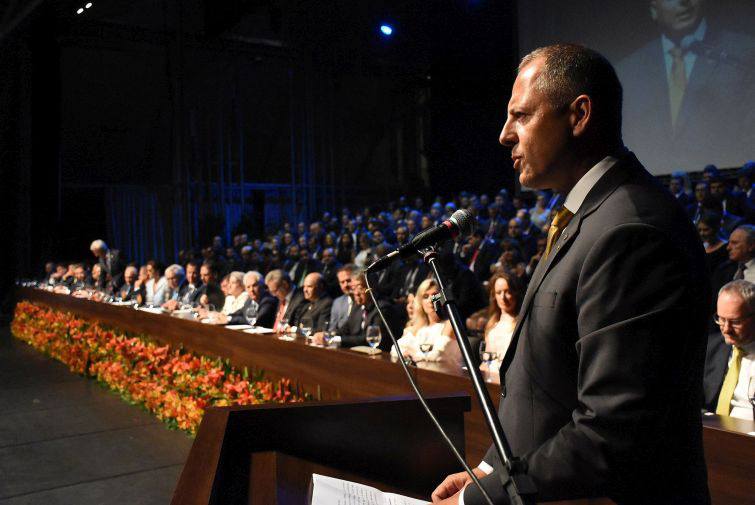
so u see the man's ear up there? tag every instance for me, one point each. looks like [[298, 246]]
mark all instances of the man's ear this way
[[580, 114]]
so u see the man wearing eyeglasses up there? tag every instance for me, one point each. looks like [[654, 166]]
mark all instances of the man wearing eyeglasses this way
[[730, 362]]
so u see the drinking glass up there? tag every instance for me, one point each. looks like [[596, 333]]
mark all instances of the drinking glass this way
[[307, 332], [425, 347], [487, 355], [251, 313], [373, 335], [283, 328], [751, 394]]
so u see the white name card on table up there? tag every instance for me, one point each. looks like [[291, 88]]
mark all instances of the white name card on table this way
[[259, 330], [152, 310], [238, 326], [331, 491], [366, 349]]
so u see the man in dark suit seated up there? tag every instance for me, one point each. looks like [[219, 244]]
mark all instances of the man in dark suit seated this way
[[304, 266], [329, 272], [730, 358], [290, 298], [267, 305], [190, 292], [209, 293], [316, 313], [128, 291], [600, 386], [341, 308], [364, 314]]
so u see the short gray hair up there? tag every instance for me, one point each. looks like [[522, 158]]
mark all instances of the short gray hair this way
[[177, 270], [749, 231], [277, 275], [236, 276], [97, 245], [252, 274], [742, 288]]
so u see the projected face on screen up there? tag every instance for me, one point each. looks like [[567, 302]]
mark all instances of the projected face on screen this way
[[676, 18], [687, 68]]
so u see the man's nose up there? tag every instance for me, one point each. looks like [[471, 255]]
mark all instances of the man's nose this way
[[508, 136]]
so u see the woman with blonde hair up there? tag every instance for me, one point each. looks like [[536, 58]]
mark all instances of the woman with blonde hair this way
[[428, 335]]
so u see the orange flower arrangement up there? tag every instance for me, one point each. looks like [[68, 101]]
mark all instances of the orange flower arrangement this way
[[174, 384]]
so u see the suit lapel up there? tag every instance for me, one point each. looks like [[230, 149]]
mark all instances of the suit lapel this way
[[597, 195]]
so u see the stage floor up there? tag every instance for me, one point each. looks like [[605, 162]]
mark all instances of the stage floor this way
[[66, 440]]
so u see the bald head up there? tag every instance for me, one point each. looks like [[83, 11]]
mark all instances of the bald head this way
[[313, 286]]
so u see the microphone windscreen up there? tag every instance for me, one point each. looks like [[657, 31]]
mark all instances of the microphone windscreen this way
[[464, 219]]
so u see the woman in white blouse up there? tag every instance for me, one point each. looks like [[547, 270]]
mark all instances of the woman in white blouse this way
[[237, 295], [155, 282], [505, 300], [428, 337]]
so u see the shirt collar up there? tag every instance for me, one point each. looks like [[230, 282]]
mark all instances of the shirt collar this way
[[576, 197], [750, 264], [697, 36], [749, 349]]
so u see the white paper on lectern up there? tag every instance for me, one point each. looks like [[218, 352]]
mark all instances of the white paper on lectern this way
[[331, 491]]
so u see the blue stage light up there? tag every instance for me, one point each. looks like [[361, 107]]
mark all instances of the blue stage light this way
[[386, 30]]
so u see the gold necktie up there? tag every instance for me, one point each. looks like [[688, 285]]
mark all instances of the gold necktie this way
[[562, 218], [678, 82], [723, 408]]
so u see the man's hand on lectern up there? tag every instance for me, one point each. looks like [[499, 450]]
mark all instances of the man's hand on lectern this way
[[450, 487]]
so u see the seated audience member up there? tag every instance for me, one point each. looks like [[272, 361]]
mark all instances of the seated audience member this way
[[141, 285], [505, 293], [341, 307], [708, 227], [210, 294], [410, 276], [236, 296], [127, 292], [267, 305], [702, 201], [365, 256], [479, 253], [316, 312], [173, 287], [730, 361], [109, 260], [542, 242], [155, 282], [364, 314], [429, 337], [190, 292], [539, 213], [329, 271], [345, 249], [49, 271], [720, 193], [57, 276], [303, 266], [290, 299], [677, 185], [81, 280], [745, 192]]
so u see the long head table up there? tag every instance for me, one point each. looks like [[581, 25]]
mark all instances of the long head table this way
[[333, 374]]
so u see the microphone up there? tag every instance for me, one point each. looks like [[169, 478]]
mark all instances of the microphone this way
[[461, 222]]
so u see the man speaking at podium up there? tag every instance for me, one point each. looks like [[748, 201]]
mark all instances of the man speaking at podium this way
[[601, 384]]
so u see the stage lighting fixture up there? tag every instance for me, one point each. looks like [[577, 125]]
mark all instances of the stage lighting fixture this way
[[386, 30], [81, 9], [88, 5]]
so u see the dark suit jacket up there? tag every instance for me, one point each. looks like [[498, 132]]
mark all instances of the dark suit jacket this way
[[316, 314], [709, 121], [352, 333], [214, 294], [716, 365], [296, 306], [268, 307], [603, 373]]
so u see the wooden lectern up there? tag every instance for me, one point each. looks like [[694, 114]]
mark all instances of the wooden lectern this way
[[266, 454]]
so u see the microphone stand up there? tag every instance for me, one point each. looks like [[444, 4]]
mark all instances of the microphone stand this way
[[514, 479]]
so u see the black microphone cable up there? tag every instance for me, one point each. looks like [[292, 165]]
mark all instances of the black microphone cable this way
[[421, 398]]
